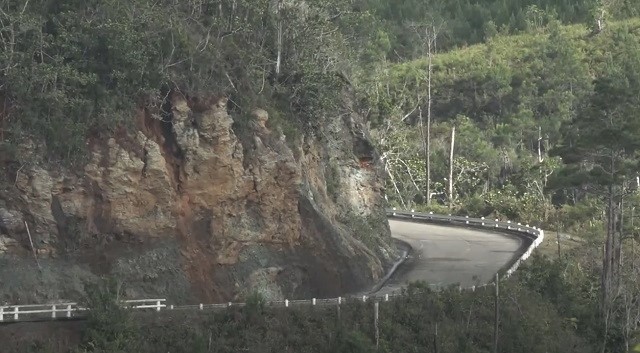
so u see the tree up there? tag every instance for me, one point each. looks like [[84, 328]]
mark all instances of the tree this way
[[599, 150], [428, 34]]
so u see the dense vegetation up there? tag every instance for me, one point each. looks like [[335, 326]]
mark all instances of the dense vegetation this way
[[72, 68], [464, 22], [546, 126], [69, 68], [419, 321], [543, 96]]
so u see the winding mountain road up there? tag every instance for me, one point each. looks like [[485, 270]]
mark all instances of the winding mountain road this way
[[445, 250], [449, 255]]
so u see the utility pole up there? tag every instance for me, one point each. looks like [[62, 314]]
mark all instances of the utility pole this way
[[453, 139], [435, 339], [619, 252], [496, 316], [376, 307], [633, 240]]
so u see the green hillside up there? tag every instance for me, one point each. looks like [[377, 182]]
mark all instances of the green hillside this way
[[542, 99], [547, 127], [502, 96]]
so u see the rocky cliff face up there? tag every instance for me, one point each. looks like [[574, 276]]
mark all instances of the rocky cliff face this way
[[190, 208]]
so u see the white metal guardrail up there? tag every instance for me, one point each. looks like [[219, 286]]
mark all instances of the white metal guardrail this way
[[13, 313]]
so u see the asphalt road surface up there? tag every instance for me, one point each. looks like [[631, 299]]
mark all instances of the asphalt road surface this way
[[445, 255]]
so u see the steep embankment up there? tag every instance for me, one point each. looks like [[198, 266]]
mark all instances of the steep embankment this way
[[189, 206]]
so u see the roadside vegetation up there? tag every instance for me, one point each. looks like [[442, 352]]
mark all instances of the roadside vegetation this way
[[523, 110], [419, 321]]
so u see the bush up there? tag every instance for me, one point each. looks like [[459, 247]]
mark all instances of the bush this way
[[110, 328]]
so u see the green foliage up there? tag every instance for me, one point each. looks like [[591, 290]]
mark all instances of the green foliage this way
[[463, 22], [365, 228], [70, 69], [408, 323], [607, 145], [110, 327], [572, 289], [332, 177], [510, 100], [352, 342], [255, 304]]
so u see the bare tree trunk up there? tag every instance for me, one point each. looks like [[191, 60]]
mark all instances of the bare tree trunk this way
[[279, 16], [395, 185], [33, 249], [428, 133], [539, 144], [424, 133], [618, 241], [608, 264], [558, 240], [435, 42], [607, 261], [453, 139]]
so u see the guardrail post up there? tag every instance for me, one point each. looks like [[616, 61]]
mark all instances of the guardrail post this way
[[339, 300], [482, 220], [286, 303], [1, 313], [15, 313], [473, 288], [386, 297], [53, 311], [364, 298], [171, 307], [467, 221], [229, 304], [201, 306], [313, 301], [68, 310]]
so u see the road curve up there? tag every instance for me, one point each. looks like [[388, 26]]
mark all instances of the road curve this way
[[445, 255]]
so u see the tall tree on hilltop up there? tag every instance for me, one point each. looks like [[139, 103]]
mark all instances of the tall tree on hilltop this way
[[428, 34]]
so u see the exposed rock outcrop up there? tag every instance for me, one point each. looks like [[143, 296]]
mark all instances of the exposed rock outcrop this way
[[188, 208]]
